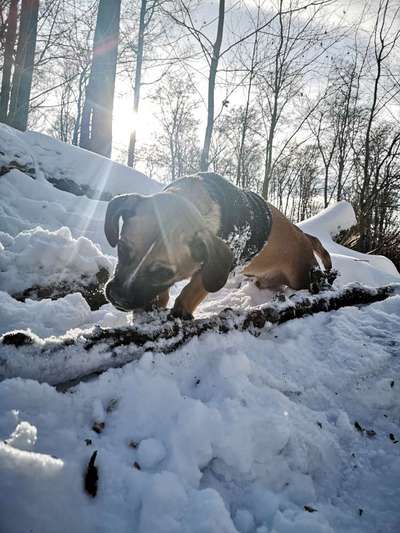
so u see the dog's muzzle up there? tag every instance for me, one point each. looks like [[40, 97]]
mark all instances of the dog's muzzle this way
[[129, 299]]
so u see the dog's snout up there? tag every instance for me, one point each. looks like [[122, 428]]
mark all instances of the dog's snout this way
[[127, 299], [114, 293]]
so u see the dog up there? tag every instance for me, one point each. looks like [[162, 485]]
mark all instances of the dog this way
[[201, 227]]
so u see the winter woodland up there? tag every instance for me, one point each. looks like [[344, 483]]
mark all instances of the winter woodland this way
[[120, 422]]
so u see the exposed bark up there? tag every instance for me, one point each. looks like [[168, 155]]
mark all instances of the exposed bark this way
[[11, 35], [96, 125], [77, 125], [23, 70], [277, 85], [91, 289]]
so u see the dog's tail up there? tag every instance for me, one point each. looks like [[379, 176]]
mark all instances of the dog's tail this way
[[320, 251]]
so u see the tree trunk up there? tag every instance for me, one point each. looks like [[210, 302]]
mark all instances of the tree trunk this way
[[269, 148], [274, 115], [9, 46], [23, 71], [240, 178], [364, 218], [381, 40], [138, 77], [204, 159], [78, 123], [96, 125]]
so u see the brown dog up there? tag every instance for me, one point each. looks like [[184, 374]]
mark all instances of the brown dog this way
[[199, 228]]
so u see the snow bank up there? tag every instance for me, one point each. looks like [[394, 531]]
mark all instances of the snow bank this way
[[330, 221], [41, 156], [228, 434], [373, 270], [55, 317], [39, 257]]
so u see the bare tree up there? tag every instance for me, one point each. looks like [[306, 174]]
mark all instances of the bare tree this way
[[8, 62], [240, 178], [96, 123], [230, 149], [385, 40], [294, 45], [176, 148], [215, 55], [24, 62], [138, 76]]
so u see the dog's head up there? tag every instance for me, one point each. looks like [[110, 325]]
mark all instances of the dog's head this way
[[163, 240]]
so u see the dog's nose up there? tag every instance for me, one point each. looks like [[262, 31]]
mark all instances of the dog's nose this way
[[114, 293]]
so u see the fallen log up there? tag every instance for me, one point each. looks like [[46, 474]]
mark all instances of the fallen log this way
[[67, 360], [91, 289]]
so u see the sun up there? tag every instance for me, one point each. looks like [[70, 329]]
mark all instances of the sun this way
[[125, 121]]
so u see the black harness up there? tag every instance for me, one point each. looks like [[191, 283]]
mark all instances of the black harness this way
[[246, 218]]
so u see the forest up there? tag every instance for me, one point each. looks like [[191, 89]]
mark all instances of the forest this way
[[173, 358], [295, 99]]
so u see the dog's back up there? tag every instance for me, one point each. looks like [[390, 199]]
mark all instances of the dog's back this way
[[241, 218]]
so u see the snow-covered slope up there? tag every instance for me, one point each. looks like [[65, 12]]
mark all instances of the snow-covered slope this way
[[44, 157], [228, 434], [26, 203]]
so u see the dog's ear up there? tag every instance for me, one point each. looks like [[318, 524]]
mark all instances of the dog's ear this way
[[216, 257], [120, 206]]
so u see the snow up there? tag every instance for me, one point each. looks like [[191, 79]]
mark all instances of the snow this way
[[370, 269], [230, 433], [23, 437], [41, 257], [26, 203], [55, 317], [51, 159], [150, 453]]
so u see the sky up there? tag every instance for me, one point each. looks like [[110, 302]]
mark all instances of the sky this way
[[341, 14]]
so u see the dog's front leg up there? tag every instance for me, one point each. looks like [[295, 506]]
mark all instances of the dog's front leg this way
[[162, 299], [190, 297]]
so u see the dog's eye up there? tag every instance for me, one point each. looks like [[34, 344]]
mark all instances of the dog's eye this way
[[161, 273]]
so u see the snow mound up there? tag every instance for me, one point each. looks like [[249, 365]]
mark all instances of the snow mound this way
[[55, 317], [330, 221], [370, 269], [39, 257], [65, 165]]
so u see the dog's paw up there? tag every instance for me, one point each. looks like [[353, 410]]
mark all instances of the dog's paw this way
[[320, 280], [279, 296], [331, 275], [179, 312]]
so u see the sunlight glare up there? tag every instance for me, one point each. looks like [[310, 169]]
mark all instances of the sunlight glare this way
[[125, 120]]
